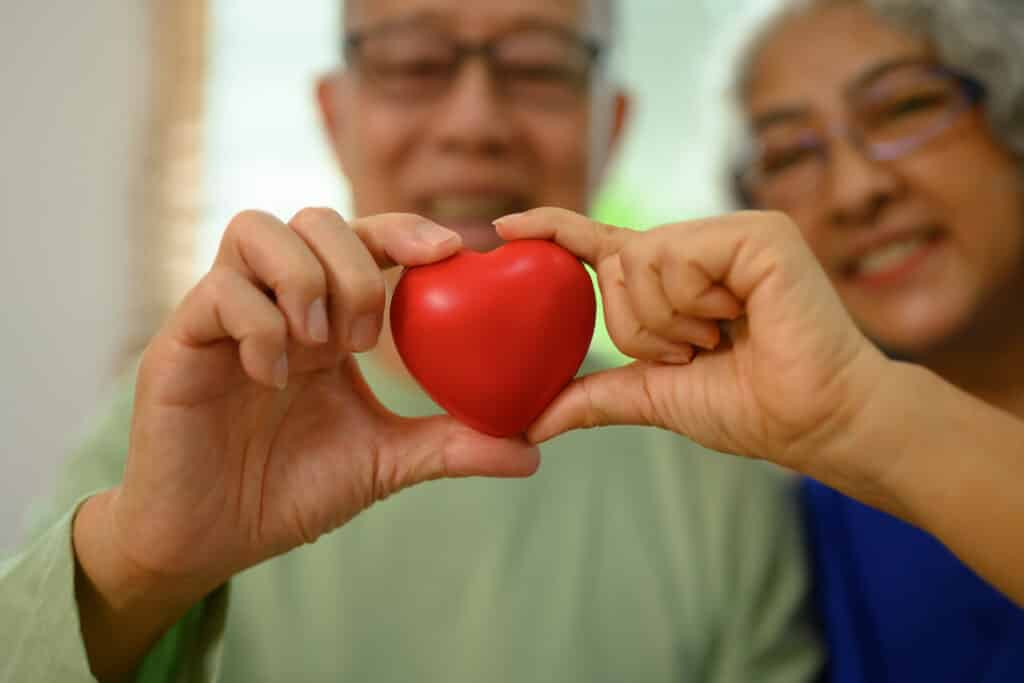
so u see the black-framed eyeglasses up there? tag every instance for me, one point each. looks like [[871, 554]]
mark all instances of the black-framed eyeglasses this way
[[889, 116], [413, 62]]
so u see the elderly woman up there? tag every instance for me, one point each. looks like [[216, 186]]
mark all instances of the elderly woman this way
[[892, 132]]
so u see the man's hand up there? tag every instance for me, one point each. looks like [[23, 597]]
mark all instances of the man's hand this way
[[253, 431]]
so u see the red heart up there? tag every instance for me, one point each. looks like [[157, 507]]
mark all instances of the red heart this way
[[494, 337]]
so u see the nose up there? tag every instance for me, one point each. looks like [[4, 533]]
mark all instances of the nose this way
[[474, 119], [860, 187]]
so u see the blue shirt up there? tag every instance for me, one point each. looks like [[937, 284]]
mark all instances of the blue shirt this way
[[898, 606]]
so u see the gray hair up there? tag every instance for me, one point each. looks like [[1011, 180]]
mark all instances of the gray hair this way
[[980, 38], [603, 20]]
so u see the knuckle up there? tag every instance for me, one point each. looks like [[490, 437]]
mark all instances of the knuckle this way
[[775, 223], [275, 327], [362, 290], [218, 283], [246, 221], [660, 318], [630, 343], [309, 279], [632, 256], [313, 216], [269, 330]]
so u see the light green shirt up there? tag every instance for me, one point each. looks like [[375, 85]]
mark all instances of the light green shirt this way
[[633, 555]]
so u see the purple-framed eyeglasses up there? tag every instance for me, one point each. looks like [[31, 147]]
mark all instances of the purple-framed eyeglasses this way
[[893, 111]]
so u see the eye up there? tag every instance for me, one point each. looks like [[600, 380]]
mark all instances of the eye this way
[[778, 160], [914, 104], [405, 60]]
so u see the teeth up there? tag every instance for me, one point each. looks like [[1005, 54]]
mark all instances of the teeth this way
[[457, 209], [890, 255]]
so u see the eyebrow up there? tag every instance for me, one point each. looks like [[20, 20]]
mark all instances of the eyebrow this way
[[779, 116], [798, 113], [881, 69]]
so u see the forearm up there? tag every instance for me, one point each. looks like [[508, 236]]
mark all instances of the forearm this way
[[123, 610], [948, 463]]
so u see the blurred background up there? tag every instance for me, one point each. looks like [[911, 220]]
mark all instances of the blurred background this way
[[133, 131]]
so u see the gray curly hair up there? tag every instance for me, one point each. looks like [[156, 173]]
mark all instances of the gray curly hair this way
[[980, 38]]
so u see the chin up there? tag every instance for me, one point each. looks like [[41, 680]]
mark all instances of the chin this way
[[480, 239]]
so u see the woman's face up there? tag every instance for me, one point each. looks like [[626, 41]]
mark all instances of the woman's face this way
[[918, 245]]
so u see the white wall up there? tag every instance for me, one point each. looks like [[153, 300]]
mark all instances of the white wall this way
[[72, 121]]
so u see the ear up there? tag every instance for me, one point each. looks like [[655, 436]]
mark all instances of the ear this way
[[623, 110], [329, 96], [613, 125]]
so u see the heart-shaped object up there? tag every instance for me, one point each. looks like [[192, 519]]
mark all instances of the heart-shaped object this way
[[494, 337]]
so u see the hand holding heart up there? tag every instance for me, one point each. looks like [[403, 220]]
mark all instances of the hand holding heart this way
[[793, 374], [253, 431]]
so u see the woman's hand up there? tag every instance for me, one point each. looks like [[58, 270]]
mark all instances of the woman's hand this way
[[781, 373], [792, 380]]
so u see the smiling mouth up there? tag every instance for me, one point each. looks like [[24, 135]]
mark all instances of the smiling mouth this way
[[455, 210], [893, 258]]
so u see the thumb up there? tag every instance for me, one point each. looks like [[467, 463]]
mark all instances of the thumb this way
[[424, 449], [620, 396]]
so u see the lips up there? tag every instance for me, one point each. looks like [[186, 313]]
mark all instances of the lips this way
[[471, 214], [455, 208], [891, 254]]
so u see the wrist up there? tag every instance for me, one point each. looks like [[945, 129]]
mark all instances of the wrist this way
[[866, 457], [123, 607], [118, 578]]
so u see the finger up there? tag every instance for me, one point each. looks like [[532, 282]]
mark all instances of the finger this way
[[424, 449], [691, 290], [405, 239], [269, 253], [651, 305], [742, 250], [621, 396], [587, 239], [355, 284], [626, 331], [225, 305]]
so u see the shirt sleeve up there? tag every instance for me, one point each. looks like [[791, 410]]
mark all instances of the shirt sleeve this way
[[769, 632], [39, 620]]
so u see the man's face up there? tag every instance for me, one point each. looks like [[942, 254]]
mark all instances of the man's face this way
[[465, 144]]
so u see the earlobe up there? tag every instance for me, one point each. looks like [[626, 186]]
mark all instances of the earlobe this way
[[609, 135], [623, 109]]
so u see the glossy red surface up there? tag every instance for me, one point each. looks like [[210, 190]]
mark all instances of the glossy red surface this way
[[494, 337]]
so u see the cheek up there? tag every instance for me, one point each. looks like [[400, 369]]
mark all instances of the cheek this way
[[982, 206], [381, 142], [561, 145]]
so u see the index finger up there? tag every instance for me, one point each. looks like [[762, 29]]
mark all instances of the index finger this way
[[587, 239], [405, 239]]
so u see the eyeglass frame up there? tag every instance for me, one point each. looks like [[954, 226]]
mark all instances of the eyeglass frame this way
[[972, 90], [486, 50]]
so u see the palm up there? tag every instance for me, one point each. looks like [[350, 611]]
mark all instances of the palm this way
[[238, 472]]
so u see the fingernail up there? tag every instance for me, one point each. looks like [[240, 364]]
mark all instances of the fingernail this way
[[433, 234], [364, 333], [316, 321], [507, 217], [281, 372]]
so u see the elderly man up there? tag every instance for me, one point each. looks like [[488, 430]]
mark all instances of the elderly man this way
[[252, 432]]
